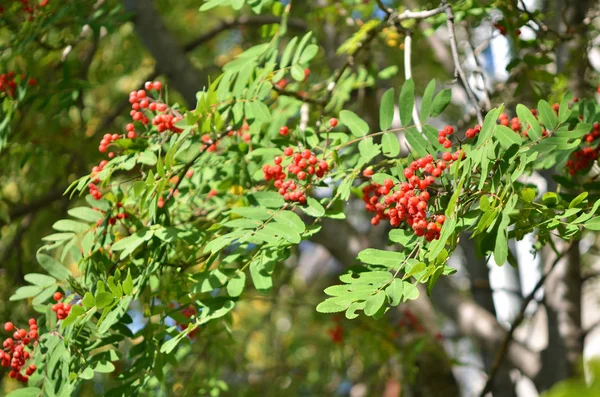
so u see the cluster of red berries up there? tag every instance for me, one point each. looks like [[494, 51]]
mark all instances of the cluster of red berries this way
[[141, 102], [14, 354], [242, 132], [593, 134], [305, 166], [61, 309], [582, 159], [121, 214], [107, 139], [92, 186], [443, 135], [8, 83], [188, 312], [411, 198], [515, 124], [208, 145], [28, 7]]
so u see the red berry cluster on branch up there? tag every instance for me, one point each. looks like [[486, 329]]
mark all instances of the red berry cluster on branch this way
[[8, 83], [583, 159], [92, 186], [14, 353], [61, 309], [304, 165], [242, 132], [443, 135], [121, 214], [411, 198], [143, 106]]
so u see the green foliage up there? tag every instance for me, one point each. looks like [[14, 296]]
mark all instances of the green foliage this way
[[190, 227]]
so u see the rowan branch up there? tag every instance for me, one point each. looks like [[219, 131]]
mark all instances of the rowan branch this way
[[458, 71], [190, 163]]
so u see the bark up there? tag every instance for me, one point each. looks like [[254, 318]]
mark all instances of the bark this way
[[483, 295], [563, 302]]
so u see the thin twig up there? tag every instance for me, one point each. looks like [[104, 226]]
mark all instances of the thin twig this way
[[516, 322], [388, 11], [458, 71], [480, 71]]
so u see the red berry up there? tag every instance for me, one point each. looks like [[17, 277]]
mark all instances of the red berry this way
[[284, 130], [57, 296], [8, 327], [333, 122], [368, 172], [440, 219], [288, 151]]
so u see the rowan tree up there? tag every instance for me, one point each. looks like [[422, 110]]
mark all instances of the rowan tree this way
[[247, 197]]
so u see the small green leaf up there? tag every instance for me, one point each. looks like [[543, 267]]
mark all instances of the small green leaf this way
[[87, 374], [104, 299], [171, 344], [409, 291], [329, 305], [236, 284], [88, 300], [309, 53], [593, 224], [357, 126], [578, 200], [406, 102], [390, 144], [53, 267], [128, 284], [507, 137], [26, 292], [67, 225], [25, 392], [525, 115], [374, 303], [85, 214], [547, 115], [386, 110], [394, 291], [440, 102], [528, 194], [40, 279], [427, 100], [417, 142], [375, 256], [313, 208], [104, 367]]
